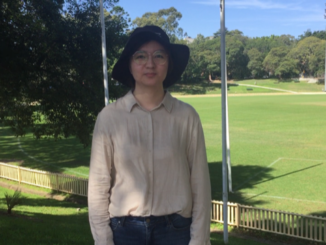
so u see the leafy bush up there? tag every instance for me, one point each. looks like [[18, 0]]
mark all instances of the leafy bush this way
[[13, 200]]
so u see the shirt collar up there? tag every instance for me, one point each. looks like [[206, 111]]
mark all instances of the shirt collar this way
[[131, 101], [168, 101]]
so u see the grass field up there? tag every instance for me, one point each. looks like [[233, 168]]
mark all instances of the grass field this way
[[64, 155], [40, 221], [278, 150], [264, 86]]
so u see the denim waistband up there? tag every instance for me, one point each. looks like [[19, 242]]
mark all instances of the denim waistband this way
[[147, 219]]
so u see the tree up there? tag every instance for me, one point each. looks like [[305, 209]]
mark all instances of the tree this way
[[265, 44], [51, 75], [307, 33], [255, 64], [167, 19], [286, 40], [274, 59], [305, 52], [218, 33], [287, 69], [204, 60], [236, 59], [317, 60], [199, 39]]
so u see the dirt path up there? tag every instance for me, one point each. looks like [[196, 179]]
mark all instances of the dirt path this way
[[249, 94], [276, 89]]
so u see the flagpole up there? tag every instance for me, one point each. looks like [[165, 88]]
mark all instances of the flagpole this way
[[228, 154], [224, 122], [105, 69], [325, 57]]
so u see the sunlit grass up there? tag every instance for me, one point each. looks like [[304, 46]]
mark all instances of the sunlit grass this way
[[233, 88], [262, 130]]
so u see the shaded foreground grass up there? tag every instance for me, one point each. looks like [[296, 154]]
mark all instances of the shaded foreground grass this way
[[63, 155], [41, 221]]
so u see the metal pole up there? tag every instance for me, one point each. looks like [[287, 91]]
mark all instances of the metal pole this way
[[325, 56], [224, 122], [325, 66], [325, 72], [228, 159], [105, 69]]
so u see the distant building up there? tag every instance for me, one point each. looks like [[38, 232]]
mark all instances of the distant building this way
[[189, 40]]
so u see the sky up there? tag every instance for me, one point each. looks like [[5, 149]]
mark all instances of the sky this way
[[255, 18]]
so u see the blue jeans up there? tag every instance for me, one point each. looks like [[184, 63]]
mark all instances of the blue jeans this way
[[153, 230]]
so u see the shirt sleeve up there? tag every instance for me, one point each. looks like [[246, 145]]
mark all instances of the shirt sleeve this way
[[201, 188], [99, 185]]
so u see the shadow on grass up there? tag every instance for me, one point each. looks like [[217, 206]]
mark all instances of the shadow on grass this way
[[43, 203], [319, 214], [242, 175], [293, 172], [43, 154], [198, 88], [32, 228], [39, 220]]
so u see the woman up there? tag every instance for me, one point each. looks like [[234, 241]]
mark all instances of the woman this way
[[149, 180]]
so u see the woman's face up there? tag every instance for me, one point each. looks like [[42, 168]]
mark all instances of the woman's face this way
[[149, 65]]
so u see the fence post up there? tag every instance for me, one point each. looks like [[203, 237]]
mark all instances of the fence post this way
[[237, 215], [324, 231], [19, 174], [57, 181]]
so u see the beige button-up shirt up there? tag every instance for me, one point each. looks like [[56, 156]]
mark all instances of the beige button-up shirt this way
[[148, 163]]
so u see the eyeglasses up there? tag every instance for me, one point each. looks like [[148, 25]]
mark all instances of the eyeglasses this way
[[159, 57]]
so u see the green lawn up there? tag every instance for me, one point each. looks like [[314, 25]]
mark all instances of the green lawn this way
[[278, 146], [64, 155], [285, 132], [267, 84], [41, 221], [302, 86]]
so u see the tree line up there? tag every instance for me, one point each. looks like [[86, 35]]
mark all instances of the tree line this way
[[51, 66], [279, 56]]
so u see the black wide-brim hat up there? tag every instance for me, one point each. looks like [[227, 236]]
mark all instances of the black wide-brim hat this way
[[179, 54]]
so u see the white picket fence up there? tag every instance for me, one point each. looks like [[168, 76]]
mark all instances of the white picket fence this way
[[279, 222], [54, 181]]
